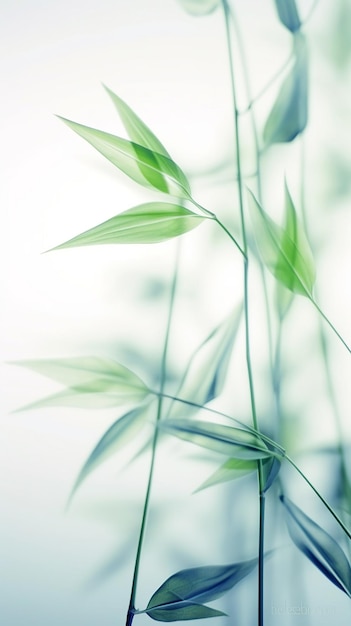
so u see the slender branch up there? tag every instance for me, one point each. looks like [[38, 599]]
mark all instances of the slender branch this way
[[326, 319], [319, 495], [226, 10], [131, 608], [271, 82]]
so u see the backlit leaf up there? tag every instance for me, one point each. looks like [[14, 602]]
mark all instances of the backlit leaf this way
[[288, 14], [147, 223], [285, 251], [135, 127], [146, 167], [237, 468], [235, 442], [181, 596], [200, 7], [206, 372], [92, 382], [120, 433], [288, 117], [319, 547]]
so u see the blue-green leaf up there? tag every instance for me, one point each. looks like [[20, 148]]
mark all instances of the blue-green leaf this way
[[120, 433], [288, 14], [181, 596], [284, 251], [205, 374], [135, 127], [319, 547], [200, 7], [236, 442], [91, 382], [233, 469], [146, 167], [147, 223], [288, 117]]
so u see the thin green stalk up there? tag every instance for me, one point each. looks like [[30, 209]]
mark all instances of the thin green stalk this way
[[226, 10], [267, 86], [330, 509], [131, 607], [326, 319], [218, 221]]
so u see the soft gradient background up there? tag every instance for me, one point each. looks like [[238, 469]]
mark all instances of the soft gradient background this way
[[75, 568]]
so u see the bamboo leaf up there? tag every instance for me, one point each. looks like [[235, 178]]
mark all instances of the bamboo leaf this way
[[288, 117], [236, 442], [200, 7], [181, 596], [92, 382], [319, 547], [146, 167], [285, 251], [230, 470], [147, 223], [137, 131], [120, 433], [205, 374], [288, 14], [233, 469]]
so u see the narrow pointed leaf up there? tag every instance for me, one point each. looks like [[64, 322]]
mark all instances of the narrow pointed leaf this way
[[138, 131], [233, 469], [319, 547], [147, 223], [90, 374], [182, 611], [120, 433], [230, 470], [146, 167], [236, 442], [200, 7], [288, 14], [186, 590], [83, 400], [288, 117], [285, 251], [207, 369]]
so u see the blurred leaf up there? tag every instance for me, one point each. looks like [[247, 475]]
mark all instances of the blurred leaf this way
[[337, 40], [146, 167], [120, 433], [319, 547], [236, 442], [200, 7], [92, 382], [147, 223], [205, 374], [271, 469], [288, 117], [237, 468], [285, 251], [230, 470], [135, 127], [288, 14], [180, 597]]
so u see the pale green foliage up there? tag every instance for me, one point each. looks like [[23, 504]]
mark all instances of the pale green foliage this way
[[147, 223], [200, 7]]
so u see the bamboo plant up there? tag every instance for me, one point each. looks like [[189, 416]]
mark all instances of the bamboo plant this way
[[283, 257]]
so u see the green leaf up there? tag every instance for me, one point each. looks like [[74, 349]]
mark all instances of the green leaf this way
[[319, 547], [147, 223], [288, 14], [288, 117], [237, 468], [92, 382], [181, 596], [146, 167], [284, 251], [205, 374], [135, 127], [230, 470], [200, 7], [236, 442], [120, 433]]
